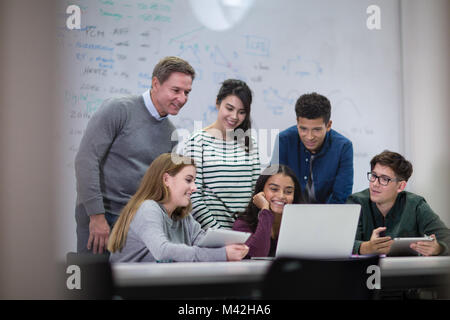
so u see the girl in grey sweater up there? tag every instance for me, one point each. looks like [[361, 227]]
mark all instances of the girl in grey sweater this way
[[156, 225]]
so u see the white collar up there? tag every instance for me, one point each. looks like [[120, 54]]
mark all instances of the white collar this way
[[151, 107]]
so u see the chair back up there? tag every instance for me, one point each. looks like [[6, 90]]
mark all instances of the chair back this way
[[95, 275], [339, 279]]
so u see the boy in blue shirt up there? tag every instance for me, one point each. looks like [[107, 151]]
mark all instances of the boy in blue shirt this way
[[321, 158]]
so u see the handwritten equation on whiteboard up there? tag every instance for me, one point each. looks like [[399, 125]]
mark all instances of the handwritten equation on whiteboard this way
[[119, 42]]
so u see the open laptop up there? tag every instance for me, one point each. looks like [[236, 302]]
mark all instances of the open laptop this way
[[324, 231]]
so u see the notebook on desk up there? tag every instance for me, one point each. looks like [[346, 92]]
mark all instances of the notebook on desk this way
[[324, 231]]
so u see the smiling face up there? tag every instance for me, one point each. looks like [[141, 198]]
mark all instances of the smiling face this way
[[181, 186], [385, 195], [312, 132], [171, 95], [279, 191], [231, 113]]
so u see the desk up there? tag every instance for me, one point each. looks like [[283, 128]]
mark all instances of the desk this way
[[182, 280], [243, 278], [403, 273]]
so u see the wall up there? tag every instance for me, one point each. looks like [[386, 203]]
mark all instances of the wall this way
[[426, 80]]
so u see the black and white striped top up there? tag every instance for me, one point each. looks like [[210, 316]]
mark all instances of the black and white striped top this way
[[226, 177]]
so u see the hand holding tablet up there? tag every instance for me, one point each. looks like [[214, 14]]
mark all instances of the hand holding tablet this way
[[413, 246], [429, 247], [216, 238]]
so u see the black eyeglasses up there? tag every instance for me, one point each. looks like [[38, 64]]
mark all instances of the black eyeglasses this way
[[383, 180]]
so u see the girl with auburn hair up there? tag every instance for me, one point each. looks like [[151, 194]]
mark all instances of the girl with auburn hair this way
[[155, 225], [276, 186]]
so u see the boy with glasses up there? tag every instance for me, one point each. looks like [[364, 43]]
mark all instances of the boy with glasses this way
[[387, 211]]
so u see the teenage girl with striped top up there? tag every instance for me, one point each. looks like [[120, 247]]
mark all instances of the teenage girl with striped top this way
[[227, 159]]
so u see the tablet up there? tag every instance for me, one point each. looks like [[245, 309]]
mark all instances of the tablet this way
[[400, 247], [215, 238]]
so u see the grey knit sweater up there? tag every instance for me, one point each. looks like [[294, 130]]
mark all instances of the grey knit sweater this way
[[154, 236], [121, 141]]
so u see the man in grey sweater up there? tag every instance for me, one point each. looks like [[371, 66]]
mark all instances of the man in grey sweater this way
[[120, 142]]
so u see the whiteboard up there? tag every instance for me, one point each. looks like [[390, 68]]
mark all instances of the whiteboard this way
[[282, 49]]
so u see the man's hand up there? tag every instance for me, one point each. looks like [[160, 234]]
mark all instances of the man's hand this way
[[376, 244], [427, 248], [98, 233]]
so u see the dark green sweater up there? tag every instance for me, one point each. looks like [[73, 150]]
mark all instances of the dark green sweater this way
[[411, 216]]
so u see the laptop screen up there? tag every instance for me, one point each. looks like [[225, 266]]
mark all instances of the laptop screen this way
[[318, 230]]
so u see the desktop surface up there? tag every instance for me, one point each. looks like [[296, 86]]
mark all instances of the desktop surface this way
[[179, 280]]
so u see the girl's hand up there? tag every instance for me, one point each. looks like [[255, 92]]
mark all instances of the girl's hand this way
[[260, 201], [236, 252]]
